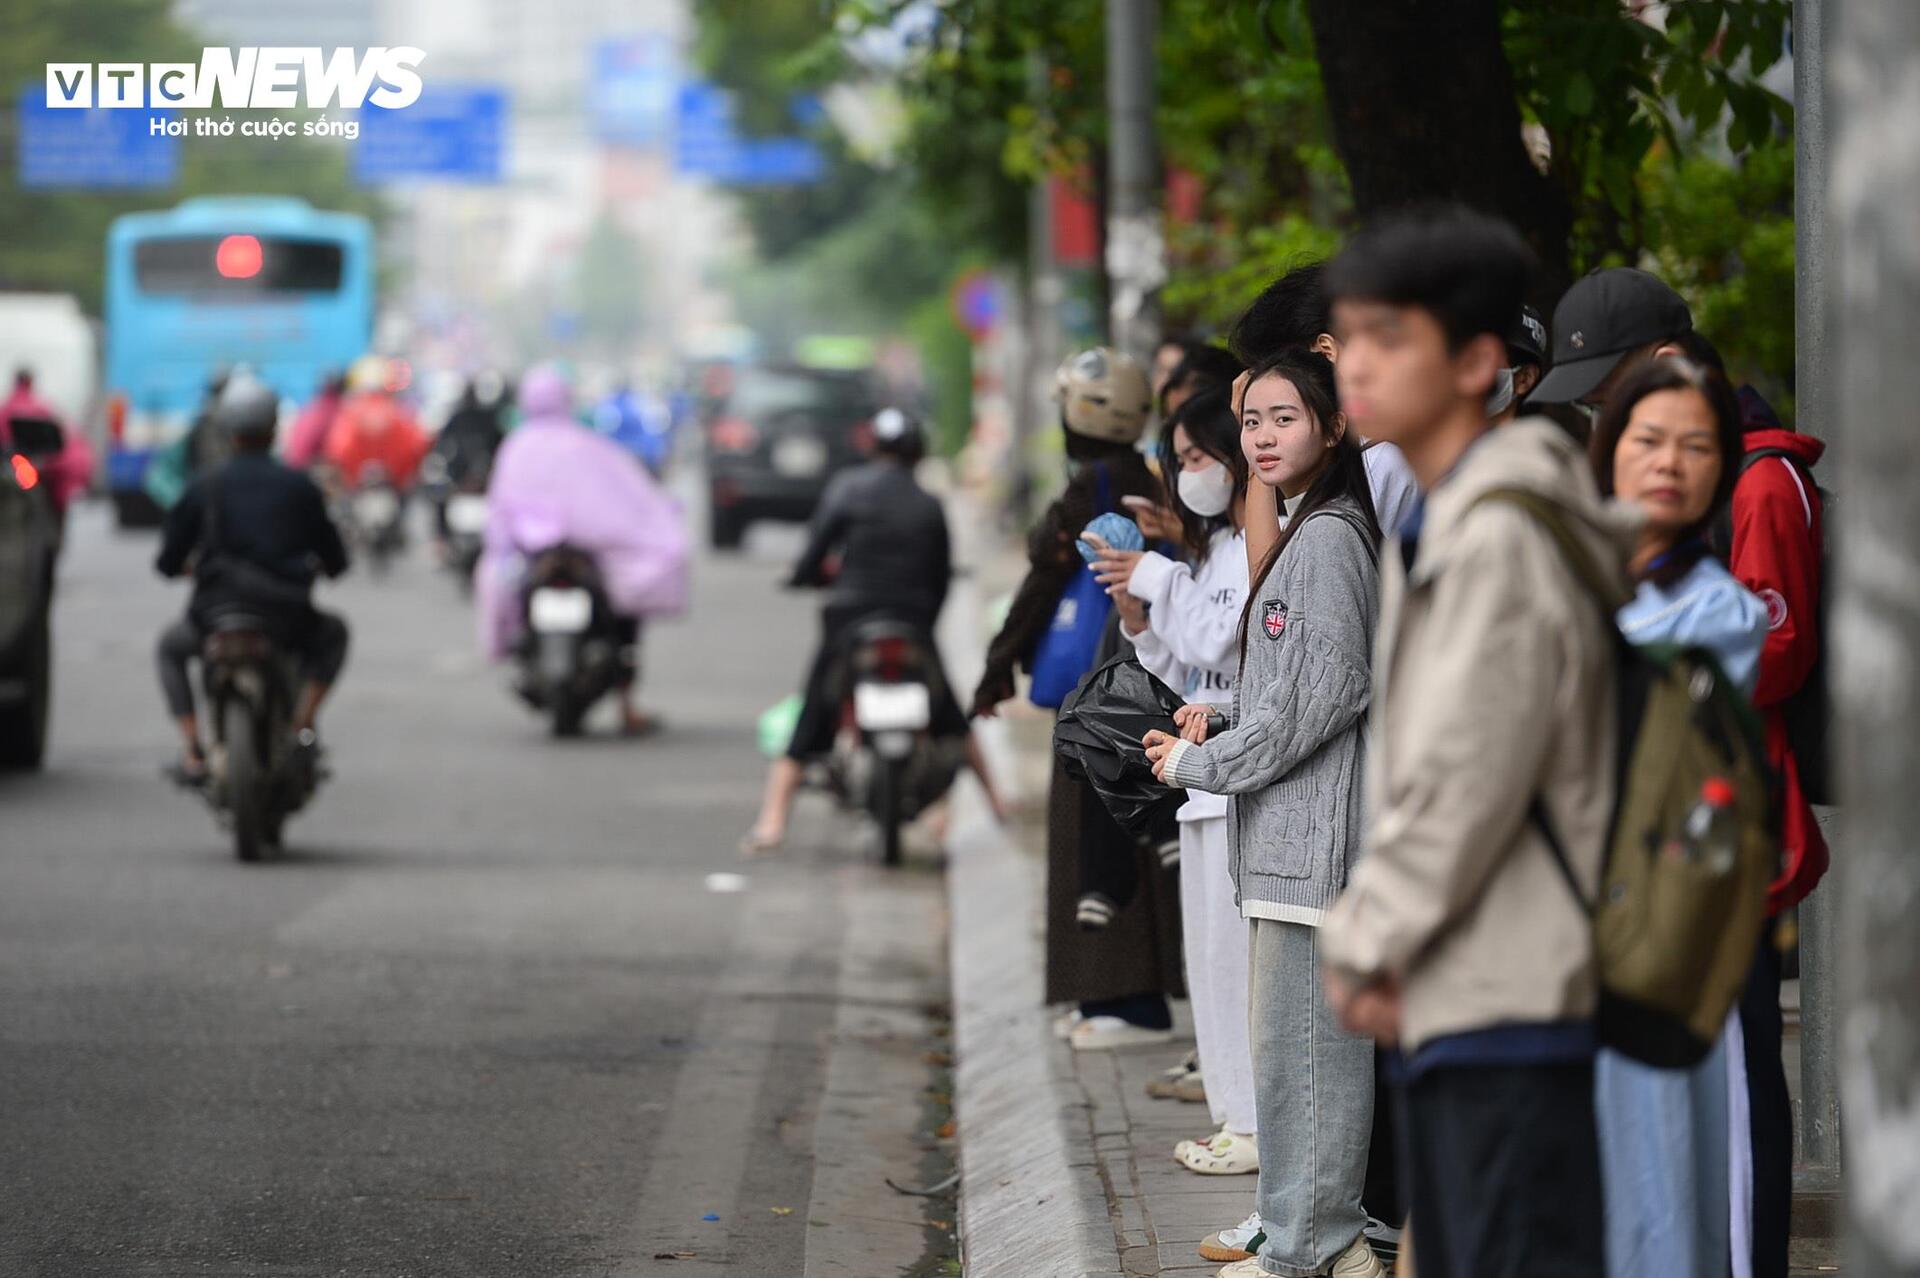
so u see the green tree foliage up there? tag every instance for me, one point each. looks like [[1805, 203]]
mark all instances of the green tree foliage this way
[[1638, 125], [53, 240]]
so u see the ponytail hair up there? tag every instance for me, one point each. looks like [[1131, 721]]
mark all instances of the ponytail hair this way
[[1345, 475]]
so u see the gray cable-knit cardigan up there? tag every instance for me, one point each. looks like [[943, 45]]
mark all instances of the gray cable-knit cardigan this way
[[1292, 760]]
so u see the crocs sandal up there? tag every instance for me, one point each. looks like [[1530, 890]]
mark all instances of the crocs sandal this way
[[1225, 1155]]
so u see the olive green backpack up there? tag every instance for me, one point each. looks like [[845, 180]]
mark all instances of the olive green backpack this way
[[1692, 844]]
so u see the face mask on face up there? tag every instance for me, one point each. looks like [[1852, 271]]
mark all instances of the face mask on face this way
[[1207, 492], [1502, 395]]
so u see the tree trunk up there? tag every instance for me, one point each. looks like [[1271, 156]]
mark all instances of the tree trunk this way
[[1422, 105]]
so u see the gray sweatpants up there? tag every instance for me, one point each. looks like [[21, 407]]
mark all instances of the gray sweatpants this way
[[1313, 1087]]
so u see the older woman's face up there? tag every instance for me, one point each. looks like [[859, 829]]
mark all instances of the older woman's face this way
[[1668, 459]]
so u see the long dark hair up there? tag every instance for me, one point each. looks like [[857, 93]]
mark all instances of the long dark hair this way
[[1674, 373], [1208, 419], [1345, 475]]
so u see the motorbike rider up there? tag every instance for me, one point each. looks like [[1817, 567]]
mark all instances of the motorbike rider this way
[[894, 560], [273, 533], [373, 427], [307, 437], [71, 469], [467, 443], [556, 482]]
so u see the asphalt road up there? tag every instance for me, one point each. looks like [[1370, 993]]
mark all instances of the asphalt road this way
[[488, 1017]]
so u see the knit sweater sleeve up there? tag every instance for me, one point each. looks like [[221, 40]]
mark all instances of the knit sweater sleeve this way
[[1320, 680]]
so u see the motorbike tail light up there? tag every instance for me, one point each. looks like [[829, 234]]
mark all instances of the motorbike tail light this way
[[24, 472], [238, 646], [733, 435], [117, 418], [890, 655]]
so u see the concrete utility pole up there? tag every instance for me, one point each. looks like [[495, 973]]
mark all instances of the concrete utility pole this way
[[1819, 1169], [1875, 97], [1136, 242]]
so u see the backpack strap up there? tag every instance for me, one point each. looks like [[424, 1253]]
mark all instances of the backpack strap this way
[[1542, 821], [1548, 514], [1102, 489], [1356, 523]]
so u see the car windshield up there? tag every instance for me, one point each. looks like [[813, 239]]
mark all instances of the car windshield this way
[[761, 394]]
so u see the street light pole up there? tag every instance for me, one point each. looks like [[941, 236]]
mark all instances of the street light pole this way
[[1136, 244], [1875, 192]]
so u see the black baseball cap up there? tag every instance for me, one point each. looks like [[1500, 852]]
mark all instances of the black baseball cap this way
[[1527, 339], [1602, 318]]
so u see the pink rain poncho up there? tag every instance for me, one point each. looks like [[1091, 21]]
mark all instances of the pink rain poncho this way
[[557, 482]]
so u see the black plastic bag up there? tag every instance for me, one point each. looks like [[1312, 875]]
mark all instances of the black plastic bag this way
[[1097, 737]]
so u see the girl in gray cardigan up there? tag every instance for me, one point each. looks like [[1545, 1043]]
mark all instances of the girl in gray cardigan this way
[[1291, 765]]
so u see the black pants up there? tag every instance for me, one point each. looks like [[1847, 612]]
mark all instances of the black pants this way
[[1501, 1168], [627, 631], [1770, 1112], [318, 638]]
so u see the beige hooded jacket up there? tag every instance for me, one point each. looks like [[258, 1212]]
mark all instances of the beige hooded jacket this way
[[1493, 683]]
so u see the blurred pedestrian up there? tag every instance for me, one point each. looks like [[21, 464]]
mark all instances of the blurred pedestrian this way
[[1117, 978], [1668, 444], [1457, 938]]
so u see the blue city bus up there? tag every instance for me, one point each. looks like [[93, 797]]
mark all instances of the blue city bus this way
[[264, 281]]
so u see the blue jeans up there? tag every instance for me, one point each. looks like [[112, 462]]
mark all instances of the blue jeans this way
[[1663, 1163], [1313, 1089]]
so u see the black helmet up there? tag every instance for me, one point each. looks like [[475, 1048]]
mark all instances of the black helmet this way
[[247, 408], [898, 433]]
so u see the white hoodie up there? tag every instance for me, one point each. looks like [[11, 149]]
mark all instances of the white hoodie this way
[[1192, 639]]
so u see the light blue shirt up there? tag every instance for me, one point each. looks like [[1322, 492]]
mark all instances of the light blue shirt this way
[[1707, 608]]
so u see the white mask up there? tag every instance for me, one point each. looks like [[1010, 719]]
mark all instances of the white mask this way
[[1502, 394], [1208, 491]]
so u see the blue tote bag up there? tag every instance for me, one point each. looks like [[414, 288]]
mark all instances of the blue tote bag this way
[[1066, 651]]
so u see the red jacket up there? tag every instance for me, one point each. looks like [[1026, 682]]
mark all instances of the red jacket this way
[[1777, 536]]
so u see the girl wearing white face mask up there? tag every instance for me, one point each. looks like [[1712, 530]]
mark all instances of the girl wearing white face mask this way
[[1184, 622]]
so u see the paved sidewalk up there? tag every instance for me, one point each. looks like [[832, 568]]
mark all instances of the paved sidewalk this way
[[1160, 1210]]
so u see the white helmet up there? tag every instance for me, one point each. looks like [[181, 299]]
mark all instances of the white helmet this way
[[1104, 395]]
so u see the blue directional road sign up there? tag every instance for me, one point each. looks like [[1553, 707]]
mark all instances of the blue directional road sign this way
[[93, 147], [633, 93], [454, 132], [706, 145]]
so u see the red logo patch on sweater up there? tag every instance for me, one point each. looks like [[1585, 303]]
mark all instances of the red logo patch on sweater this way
[[1274, 618]]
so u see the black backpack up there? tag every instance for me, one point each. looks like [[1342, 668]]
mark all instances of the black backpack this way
[[1809, 711]]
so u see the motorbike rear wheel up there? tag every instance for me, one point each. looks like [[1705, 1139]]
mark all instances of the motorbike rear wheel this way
[[567, 713], [255, 826], [889, 783]]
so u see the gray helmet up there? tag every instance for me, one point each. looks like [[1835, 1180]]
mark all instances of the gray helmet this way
[[247, 407]]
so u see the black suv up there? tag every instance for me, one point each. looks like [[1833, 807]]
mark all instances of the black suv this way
[[29, 544], [782, 432]]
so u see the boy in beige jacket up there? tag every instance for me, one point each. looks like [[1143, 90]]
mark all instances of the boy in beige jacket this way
[[1458, 939]]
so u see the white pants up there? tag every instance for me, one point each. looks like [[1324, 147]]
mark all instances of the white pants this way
[[1215, 938]]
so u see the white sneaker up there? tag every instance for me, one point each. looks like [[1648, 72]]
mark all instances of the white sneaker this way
[[1248, 1268], [1242, 1242], [1100, 1033], [1357, 1261]]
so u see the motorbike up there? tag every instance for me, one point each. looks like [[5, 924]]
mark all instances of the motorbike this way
[[887, 759], [461, 511], [256, 778], [375, 512], [569, 651]]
